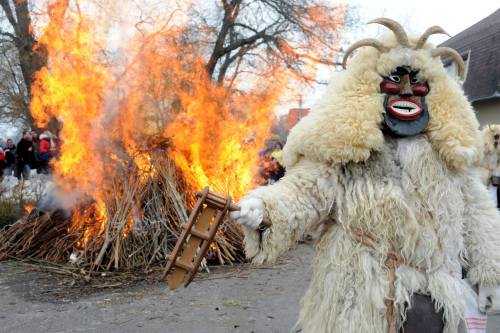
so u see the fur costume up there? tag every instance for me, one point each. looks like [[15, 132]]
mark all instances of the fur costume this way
[[491, 160], [420, 195]]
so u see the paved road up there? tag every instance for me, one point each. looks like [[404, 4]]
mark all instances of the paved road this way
[[243, 300]]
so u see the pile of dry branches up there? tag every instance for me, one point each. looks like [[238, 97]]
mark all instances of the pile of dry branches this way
[[38, 235], [143, 215]]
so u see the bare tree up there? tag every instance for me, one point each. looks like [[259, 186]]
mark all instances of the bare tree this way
[[31, 59], [249, 35], [13, 95]]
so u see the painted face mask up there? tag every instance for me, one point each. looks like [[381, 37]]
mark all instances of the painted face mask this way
[[406, 111]]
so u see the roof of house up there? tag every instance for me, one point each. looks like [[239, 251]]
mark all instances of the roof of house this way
[[482, 40]]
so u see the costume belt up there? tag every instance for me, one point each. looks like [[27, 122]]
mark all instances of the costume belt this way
[[392, 261]]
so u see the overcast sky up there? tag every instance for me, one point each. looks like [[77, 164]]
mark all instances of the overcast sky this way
[[415, 16], [453, 15]]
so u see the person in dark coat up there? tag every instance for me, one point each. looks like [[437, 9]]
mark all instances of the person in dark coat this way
[[25, 155], [36, 163], [10, 158]]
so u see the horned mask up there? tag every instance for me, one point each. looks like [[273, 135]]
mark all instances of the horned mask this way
[[398, 86], [406, 113]]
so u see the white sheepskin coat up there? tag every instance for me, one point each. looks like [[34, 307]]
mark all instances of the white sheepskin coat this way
[[420, 194], [490, 165]]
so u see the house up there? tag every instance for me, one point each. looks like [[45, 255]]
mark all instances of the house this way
[[479, 46], [285, 122], [294, 115]]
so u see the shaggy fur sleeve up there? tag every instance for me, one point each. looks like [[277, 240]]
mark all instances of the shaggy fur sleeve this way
[[482, 234], [295, 204]]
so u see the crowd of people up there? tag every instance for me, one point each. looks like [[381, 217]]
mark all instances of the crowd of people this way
[[33, 152]]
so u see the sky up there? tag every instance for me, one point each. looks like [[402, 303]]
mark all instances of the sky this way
[[453, 16], [416, 16]]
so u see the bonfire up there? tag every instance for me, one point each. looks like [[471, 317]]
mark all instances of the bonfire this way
[[141, 133]]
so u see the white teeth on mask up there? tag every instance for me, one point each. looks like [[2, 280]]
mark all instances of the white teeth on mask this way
[[405, 107], [404, 104]]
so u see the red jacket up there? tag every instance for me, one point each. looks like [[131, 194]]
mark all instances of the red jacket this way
[[44, 146], [2, 155]]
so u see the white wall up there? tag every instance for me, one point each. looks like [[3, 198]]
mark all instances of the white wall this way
[[488, 112]]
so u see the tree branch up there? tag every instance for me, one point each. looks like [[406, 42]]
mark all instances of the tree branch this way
[[10, 15], [13, 38], [231, 12], [291, 34], [246, 41]]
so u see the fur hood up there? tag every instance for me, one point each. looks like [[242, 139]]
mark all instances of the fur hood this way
[[346, 125]]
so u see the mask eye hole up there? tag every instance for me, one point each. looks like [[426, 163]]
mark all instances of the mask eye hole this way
[[413, 80], [394, 78]]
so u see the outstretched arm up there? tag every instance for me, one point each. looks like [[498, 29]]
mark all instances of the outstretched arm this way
[[297, 203]]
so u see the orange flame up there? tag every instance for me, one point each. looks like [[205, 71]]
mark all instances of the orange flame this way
[[90, 220], [71, 91], [214, 136], [158, 92], [216, 146], [28, 208]]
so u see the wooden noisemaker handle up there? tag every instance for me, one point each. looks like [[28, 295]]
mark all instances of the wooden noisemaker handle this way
[[263, 225], [197, 235], [216, 200]]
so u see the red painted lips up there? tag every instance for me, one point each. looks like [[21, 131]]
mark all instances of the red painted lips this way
[[405, 108]]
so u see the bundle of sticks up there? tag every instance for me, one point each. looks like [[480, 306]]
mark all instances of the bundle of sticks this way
[[141, 224], [40, 235]]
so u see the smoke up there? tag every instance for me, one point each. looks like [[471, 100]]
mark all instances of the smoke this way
[[58, 198]]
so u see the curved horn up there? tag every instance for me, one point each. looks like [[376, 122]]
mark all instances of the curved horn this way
[[436, 29], [451, 53], [396, 28], [364, 42]]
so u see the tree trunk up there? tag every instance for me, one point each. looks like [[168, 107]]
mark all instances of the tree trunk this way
[[231, 11]]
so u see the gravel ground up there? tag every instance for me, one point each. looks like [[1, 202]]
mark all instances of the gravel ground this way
[[241, 299]]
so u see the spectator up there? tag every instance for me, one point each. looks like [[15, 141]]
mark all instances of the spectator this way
[[25, 155], [36, 163], [54, 144], [44, 152], [10, 158], [2, 160]]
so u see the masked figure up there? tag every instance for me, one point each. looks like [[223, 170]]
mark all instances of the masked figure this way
[[490, 166], [385, 166]]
